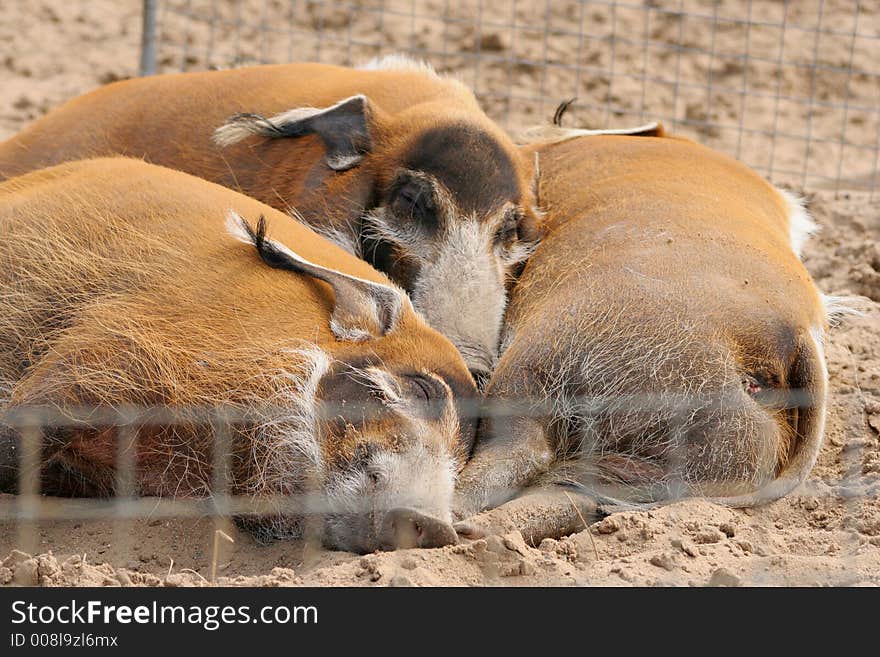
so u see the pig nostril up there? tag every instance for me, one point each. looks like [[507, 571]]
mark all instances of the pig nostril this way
[[408, 528]]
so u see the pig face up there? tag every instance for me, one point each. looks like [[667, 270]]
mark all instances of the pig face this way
[[391, 454], [370, 440], [441, 204]]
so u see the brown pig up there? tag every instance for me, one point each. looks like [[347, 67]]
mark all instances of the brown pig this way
[[663, 341], [129, 285], [394, 162]]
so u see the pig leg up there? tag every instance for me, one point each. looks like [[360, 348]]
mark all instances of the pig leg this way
[[510, 455], [546, 512]]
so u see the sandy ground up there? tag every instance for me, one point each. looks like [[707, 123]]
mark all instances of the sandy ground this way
[[828, 532]]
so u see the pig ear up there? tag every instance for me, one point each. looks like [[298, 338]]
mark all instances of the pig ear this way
[[342, 127], [530, 225], [364, 310], [552, 134], [653, 129]]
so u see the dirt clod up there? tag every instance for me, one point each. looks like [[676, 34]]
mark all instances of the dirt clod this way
[[723, 577]]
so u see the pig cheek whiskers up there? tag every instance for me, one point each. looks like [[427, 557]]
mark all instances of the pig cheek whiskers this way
[[379, 226], [515, 254]]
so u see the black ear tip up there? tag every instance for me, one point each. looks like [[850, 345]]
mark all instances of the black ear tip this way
[[561, 109], [259, 235]]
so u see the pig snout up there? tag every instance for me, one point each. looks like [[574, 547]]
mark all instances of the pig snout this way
[[407, 528]]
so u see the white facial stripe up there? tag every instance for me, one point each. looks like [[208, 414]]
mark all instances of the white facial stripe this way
[[461, 293], [385, 384], [417, 478], [318, 364], [287, 454], [378, 226], [521, 251]]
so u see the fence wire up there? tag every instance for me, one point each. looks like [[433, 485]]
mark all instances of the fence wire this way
[[792, 88], [37, 429]]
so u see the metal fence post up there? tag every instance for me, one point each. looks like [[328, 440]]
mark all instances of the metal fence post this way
[[148, 38]]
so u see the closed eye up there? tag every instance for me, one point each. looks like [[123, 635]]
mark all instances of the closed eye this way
[[410, 194], [418, 201], [376, 476], [426, 389], [413, 200], [422, 387], [507, 232]]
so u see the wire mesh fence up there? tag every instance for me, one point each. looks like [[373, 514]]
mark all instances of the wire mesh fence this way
[[791, 88], [130, 433]]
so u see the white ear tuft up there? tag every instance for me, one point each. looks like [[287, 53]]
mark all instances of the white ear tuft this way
[[235, 226], [230, 133], [552, 134]]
